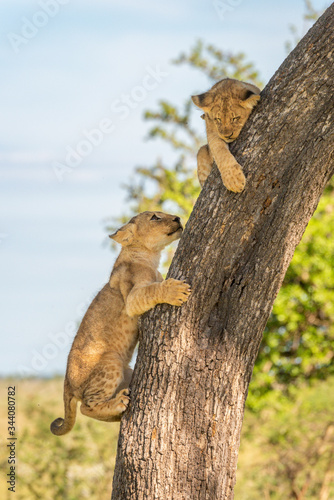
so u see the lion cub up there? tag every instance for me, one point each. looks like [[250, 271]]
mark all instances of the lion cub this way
[[227, 106], [97, 372]]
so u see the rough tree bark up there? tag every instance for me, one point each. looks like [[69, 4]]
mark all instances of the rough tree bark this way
[[179, 439]]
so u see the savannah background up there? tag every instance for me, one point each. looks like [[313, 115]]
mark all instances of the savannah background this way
[[49, 237]]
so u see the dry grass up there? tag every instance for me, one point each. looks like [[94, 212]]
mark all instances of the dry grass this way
[[81, 464]]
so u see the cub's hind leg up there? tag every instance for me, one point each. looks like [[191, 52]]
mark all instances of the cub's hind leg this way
[[204, 164], [102, 398]]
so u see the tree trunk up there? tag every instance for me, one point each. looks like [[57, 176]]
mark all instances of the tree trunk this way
[[179, 439]]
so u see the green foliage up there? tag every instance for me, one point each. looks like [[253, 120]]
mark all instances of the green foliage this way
[[311, 14], [289, 452], [217, 64], [299, 337]]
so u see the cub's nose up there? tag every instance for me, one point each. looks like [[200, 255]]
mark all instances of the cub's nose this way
[[177, 219]]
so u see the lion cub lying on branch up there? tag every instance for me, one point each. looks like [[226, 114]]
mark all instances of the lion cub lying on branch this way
[[227, 106], [97, 373]]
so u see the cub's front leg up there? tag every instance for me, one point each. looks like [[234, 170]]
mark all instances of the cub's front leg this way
[[204, 164], [231, 172], [143, 297]]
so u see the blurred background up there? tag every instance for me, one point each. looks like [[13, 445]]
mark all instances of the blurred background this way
[[97, 125]]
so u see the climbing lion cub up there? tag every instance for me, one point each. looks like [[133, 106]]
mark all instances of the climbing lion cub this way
[[97, 373], [227, 106]]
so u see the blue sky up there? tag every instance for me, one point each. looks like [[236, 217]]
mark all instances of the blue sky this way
[[65, 68]]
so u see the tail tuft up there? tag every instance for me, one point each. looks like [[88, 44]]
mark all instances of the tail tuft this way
[[62, 426], [57, 427]]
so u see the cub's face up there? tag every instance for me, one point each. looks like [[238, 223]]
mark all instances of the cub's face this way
[[228, 116], [153, 230], [157, 229], [228, 105]]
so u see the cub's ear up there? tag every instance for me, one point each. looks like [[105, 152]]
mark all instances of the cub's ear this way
[[203, 101], [125, 234], [251, 96]]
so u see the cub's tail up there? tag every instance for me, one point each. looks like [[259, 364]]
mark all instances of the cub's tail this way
[[62, 426]]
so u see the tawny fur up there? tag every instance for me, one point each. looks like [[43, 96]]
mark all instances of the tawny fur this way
[[97, 372], [227, 106]]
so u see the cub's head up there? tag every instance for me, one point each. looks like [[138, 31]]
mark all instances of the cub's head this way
[[228, 104], [152, 230]]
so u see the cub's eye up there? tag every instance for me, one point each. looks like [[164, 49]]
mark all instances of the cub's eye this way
[[236, 119], [155, 217], [218, 120]]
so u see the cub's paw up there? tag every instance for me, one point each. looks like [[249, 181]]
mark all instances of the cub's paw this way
[[233, 178], [203, 172], [122, 400], [175, 292]]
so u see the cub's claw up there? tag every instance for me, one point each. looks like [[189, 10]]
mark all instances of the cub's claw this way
[[177, 292]]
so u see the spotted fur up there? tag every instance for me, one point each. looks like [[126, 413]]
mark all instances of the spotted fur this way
[[98, 373]]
